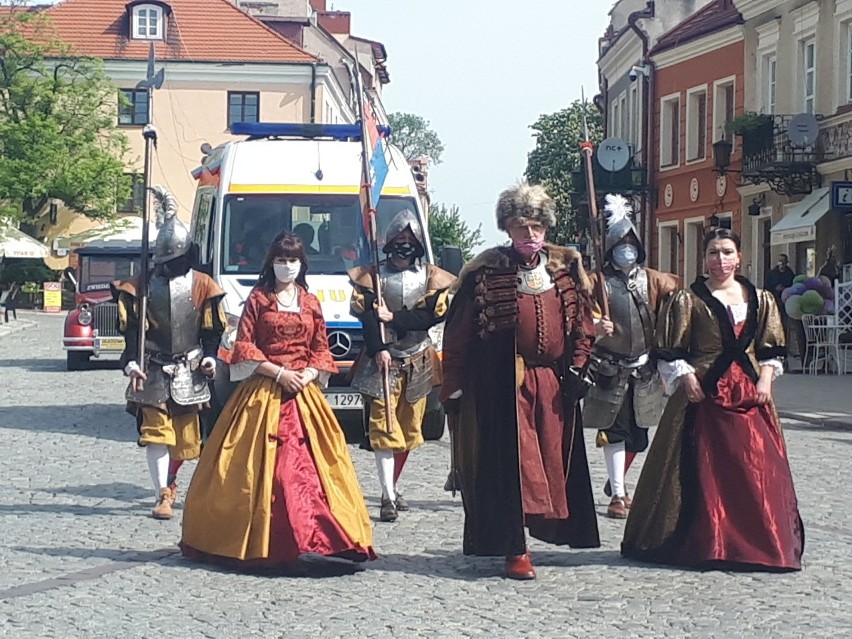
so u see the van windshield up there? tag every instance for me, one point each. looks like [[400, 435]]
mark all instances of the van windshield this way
[[329, 225]]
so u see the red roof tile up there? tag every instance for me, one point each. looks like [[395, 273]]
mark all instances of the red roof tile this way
[[197, 30], [716, 16]]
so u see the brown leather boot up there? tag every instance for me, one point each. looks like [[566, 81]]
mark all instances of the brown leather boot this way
[[387, 512], [519, 567], [617, 509], [627, 501], [173, 494], [163, 508]]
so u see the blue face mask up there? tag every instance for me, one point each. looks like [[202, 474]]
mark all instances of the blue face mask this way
[[625, 255]]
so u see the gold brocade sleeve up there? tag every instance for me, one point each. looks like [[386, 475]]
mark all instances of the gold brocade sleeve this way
[[769, 340], [674, 327]]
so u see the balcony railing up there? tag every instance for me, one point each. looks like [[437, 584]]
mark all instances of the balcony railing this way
[[769, 155]]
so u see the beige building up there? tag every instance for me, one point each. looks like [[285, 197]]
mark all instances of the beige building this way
[[221, 65], [798, 60]]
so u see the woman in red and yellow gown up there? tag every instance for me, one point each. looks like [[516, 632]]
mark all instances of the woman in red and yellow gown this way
[[716, 489], [275, 479]]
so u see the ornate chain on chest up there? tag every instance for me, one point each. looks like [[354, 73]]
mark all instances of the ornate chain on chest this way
[[495, 296]]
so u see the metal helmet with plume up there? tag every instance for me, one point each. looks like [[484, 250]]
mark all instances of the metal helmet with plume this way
[[619, 224], [173, 237]]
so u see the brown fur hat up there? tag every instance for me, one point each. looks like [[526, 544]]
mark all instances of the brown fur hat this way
[[525, 202]]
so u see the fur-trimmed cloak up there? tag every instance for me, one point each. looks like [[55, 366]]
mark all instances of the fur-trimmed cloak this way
[[480, 360]]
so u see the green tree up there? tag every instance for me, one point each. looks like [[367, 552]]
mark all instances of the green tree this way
[[58, 130], [411, 133], [557, 156], [446, 228]]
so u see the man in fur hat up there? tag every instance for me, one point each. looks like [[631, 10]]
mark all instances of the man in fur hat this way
[[627, 397], [184, 325], [414, 299], [518, 334]]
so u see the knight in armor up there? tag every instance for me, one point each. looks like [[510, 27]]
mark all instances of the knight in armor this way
[[414, 299], [627, 397], [518, 336], [184, 323]]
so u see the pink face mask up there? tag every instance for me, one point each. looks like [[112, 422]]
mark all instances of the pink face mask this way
[[527, 248], [722, 267]]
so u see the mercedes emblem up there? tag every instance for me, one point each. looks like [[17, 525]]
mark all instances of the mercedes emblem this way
[[339, 343]]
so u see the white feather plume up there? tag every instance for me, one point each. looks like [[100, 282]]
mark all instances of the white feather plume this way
[[166, 204], [616, 208]]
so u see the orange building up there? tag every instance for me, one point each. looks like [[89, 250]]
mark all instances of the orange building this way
[[697, 90]]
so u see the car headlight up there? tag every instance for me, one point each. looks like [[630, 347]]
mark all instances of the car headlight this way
[[84, 317], [230, 334]]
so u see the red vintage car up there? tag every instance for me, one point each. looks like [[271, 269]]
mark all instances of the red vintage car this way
[[91, 329]]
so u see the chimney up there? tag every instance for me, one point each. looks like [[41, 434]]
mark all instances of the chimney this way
[[335, 22]]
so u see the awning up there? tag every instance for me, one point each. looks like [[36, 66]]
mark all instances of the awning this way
[[120, 232], [16, 243], [799, 223]]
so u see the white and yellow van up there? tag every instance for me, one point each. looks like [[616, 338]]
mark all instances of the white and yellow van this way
[[303, 178]]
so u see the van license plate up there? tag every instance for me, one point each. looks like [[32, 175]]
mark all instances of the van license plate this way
[[345, 401], [109, 343]]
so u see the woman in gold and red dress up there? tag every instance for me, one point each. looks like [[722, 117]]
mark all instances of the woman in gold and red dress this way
[[716, 489], [275, 480]]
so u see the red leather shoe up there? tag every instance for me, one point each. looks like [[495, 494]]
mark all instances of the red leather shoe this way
[[519, 567]]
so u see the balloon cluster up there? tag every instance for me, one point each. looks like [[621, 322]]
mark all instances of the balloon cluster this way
[[808, 296]]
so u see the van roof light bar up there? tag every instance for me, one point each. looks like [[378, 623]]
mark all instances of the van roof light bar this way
[[256, 130]]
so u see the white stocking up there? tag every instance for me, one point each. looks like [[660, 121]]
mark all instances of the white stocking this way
[[158, 465], [615, 457], [385, 464]]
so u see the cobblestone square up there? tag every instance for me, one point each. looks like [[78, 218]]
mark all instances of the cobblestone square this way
[[81, 558]]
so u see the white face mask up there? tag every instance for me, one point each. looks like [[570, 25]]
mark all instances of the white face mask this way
[[286, 272], [625, 255]]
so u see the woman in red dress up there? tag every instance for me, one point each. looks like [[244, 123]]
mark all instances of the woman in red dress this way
[[716, 490], [275, 480]]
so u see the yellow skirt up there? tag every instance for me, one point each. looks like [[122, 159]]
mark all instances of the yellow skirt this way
[[229, 503]]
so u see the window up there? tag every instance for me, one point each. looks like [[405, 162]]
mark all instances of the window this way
[[670, 131], [243, 107], [133, 107], [724, 106], [148, 22], [134, 203], [615, 122], [849, 62], [696, 118], [624, 129], [669, 256], [770, 74], [809, 75]]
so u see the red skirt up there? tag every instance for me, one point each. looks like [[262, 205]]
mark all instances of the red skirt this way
[[739, 504]]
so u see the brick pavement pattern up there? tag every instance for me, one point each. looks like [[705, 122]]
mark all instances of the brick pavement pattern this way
[[81, 558]]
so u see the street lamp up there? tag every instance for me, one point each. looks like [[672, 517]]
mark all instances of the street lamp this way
[[722, 156]]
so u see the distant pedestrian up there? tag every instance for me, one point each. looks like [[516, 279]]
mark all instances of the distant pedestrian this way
[[10, 303]]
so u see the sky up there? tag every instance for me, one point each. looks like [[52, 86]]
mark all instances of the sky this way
[[481, 72]]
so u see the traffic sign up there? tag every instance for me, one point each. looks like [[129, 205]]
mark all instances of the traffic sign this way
[[841, 195]]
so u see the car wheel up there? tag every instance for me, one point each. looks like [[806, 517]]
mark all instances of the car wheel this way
[[77, 360]]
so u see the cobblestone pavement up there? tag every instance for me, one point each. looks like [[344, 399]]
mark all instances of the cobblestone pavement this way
[[81, 558]]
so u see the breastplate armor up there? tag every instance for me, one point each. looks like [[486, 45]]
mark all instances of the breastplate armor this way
[[536, 280], [402, 290], [173, 321], [628, 337]]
